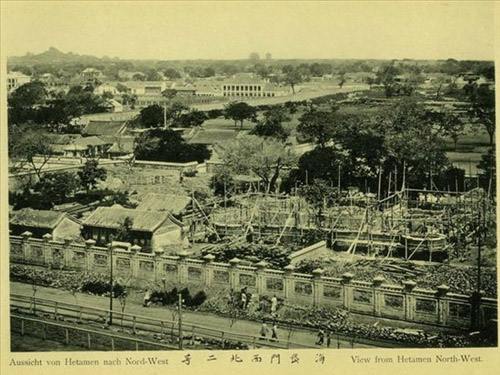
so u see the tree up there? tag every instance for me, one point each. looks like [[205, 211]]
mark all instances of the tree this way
[[33, 148], [483, 109], [150, 117], [450, 125], [264, 158], [171, 73], [318, 125], [272, 124], [292, 76], [342, 79], [487, 170], [167, 145], [23, 100], [57, 187], [321, 163], [192, 118], [174, 111], [239, 111], [90, 174], [124, 232], [386, 75]]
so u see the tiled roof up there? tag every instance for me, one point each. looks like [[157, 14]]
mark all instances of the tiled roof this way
[[113, 217], [164, 202], [97, 127], [90, 141], [36, 218]]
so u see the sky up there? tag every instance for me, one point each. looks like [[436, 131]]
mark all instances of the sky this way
[[232, 30]]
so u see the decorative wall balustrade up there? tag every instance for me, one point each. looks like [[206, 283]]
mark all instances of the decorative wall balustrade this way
[[403, 302]]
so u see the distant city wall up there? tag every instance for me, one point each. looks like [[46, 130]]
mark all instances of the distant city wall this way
[[405, 302]]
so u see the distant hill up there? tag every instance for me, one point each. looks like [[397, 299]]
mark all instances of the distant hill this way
[[54, 56]]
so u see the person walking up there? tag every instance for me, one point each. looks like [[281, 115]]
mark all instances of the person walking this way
[[264, 330], [274, 332], [147, 298], [274, 305], [328, 338], [321, 337], [243, 300]]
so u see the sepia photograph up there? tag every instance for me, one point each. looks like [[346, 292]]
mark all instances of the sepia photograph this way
[[249, 176]]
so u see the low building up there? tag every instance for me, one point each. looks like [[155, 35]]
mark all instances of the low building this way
[[106, 88], [91, 75], [41, 222], [147, 87], [152, 230], [87, 147], [122, 146], [249, 86], [16, 79], [114, 106]]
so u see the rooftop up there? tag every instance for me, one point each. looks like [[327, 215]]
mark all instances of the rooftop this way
[[36, 218], [103, 127], [113, 217]]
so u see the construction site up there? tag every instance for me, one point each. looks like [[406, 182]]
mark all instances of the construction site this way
[[409, 224]]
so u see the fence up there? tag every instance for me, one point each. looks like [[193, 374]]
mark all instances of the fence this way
[[402, 302], [136, 323], [77, 336]]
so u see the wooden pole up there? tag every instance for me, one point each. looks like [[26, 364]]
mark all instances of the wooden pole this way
[[338, 179], [379, 182]]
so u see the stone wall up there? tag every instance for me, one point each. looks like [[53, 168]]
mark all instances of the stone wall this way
[[405, 302]]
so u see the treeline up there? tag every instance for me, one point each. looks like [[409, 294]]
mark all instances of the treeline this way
[[33, 103], [154, 70]]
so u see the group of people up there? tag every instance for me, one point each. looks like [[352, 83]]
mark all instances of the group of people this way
[[264, 331], [322, 338]]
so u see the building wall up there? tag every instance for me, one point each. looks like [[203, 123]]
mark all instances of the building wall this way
[[401, 302]]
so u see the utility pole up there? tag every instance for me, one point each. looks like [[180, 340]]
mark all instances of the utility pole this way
[[180, 320], [110, 284]]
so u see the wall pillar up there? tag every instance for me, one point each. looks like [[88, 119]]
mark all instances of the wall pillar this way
[[234, 281], [26, 246], [442, 306], [47, 250], [67, 253], [207, 270], [157, 263], [260, 279], [347, 289], [182, 272], [288, 282], [134, 260], [377, 295], [409, 285], [89, 244], [317, 286]]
